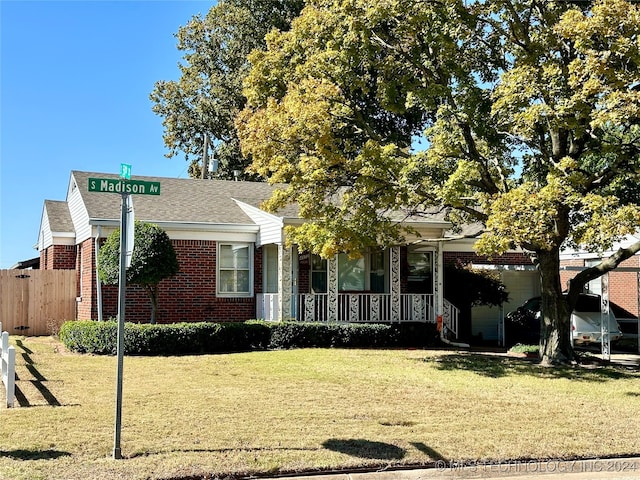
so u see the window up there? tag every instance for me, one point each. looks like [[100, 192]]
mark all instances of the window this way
[[366, 273], [420, 274], [270, 268], [318, 274], [234, 270]]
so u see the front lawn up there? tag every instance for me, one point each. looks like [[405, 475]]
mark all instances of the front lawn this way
[[294, 410]]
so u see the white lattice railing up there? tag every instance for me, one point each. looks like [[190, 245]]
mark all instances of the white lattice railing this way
[[366, 308], [450, 317], [361, 308]]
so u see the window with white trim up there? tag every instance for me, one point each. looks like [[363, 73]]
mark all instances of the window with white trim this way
[[363, 274], [235, 272]]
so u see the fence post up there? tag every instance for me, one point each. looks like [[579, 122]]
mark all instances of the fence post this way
[[8, 360], [4, 345]]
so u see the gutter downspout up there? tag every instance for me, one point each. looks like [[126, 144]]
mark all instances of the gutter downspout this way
[[440, 298], [98, 284]]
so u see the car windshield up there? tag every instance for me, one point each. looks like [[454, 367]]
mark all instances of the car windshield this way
[[533, 304]]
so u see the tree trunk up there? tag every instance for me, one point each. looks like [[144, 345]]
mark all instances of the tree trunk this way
[[152, 291], [555, 342]]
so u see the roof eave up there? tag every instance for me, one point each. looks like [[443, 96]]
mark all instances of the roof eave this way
[[185, 226]]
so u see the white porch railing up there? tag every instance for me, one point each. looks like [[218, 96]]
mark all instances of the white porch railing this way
[[366, 308], [450, 318], [361, 308], [267, 306]]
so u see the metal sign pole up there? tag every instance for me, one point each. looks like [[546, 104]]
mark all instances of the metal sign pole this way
[[117, 452]]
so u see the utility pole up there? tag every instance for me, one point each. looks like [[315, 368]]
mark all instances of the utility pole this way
[[205, 157]]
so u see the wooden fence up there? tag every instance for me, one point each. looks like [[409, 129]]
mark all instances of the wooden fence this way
[[36, 302]]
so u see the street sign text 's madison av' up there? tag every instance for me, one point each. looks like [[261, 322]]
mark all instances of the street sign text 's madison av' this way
[[117, 185]]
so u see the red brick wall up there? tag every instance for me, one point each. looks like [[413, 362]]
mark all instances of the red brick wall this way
[[87, 306], [566, 275], [471, 257], [190, 296], [58, 257], [623, 286]]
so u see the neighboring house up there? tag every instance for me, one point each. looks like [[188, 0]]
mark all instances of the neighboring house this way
[[235, 264], [624, 281]]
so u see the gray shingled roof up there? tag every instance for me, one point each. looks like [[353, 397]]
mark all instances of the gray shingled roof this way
[[180, 200], [199, 201], [59, 216]]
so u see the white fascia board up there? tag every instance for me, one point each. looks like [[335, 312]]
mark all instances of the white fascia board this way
[[250, 209], [459, 245], [191, 231], [572, 254], [64, 234], [184, 226], [296, 221], [504, 267], [63, 238]]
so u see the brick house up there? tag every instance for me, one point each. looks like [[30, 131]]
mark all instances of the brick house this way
[[235, 264]]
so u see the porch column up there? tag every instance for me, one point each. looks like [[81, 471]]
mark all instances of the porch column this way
[[332, 289], [394, 281], [285, 286], [438, 287]]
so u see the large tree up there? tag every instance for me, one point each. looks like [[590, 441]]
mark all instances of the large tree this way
[[153, 260], [528, 113], [208, 94]]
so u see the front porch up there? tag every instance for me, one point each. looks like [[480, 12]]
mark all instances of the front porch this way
[[360, 308], [394, 285]]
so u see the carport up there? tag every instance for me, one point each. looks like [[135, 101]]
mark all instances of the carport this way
[[522, 282], [605, 346]]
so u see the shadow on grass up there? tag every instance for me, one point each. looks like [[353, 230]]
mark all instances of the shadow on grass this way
[[23, 347], [496, 366], [428, 451], [219, 450], [365, 449], [34, 454], [38, 380]]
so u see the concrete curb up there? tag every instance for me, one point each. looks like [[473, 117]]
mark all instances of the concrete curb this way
[[586, 469]]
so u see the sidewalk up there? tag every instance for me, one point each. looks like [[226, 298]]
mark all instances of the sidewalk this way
[[595, 469]]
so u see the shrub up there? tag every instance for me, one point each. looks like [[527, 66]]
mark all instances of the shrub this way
[[87, 336]]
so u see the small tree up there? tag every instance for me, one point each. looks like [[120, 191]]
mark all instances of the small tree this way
[[154, 259]]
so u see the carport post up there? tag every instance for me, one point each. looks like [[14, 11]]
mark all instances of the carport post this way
[[605, 317]]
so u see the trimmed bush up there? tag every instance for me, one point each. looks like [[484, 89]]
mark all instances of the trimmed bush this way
[[87, 336]]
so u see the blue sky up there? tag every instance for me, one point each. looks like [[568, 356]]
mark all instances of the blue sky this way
[[75, 79]]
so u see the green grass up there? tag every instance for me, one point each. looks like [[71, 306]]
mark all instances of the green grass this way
[[287, 411]]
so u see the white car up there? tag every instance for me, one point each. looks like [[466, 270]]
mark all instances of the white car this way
[[523, 324], [585, 321]]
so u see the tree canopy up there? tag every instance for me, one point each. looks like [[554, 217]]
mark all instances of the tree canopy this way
[[208, 94], [153, 260], [528, 112]]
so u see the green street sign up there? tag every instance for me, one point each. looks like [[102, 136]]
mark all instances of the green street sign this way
[[125, 171], [116, 185]]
